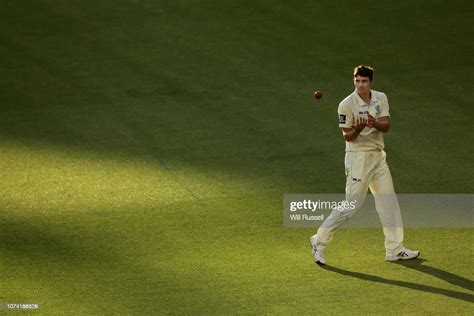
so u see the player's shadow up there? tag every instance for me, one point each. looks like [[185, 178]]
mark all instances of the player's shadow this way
[[438, 273], [410, 285]]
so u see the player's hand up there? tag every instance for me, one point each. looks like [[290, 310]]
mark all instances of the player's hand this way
[[371, 121], [360, 124]]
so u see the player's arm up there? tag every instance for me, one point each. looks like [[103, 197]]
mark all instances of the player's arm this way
[[382, 124], [351, 133]]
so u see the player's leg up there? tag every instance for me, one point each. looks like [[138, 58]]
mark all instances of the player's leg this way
[[358, 167], [387, 206]]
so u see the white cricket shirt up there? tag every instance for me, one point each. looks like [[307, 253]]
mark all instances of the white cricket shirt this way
[[353, 107]]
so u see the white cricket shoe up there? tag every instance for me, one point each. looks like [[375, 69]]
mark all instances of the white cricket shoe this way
[[405, 254], [318, 255]]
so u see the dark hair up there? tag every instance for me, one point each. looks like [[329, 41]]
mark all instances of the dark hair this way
[[364, 71]]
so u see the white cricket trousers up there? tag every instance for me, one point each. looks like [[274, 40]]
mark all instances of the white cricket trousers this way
[[364, 170]]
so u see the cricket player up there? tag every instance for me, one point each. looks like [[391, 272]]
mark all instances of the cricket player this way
[[364, 118]]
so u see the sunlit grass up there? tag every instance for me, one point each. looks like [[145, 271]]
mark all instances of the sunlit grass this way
[[98, 233]]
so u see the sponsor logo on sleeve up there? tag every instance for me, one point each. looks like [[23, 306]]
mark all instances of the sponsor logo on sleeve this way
[[342, 119]]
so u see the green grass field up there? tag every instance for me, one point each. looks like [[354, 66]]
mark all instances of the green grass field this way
[[146, 146]]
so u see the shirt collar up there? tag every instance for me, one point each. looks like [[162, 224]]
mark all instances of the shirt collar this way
[[361, 102]]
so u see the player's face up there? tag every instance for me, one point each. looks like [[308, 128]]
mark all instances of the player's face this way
[[362, 84]]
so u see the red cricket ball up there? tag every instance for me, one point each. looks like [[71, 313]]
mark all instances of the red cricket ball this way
[[318, 94]]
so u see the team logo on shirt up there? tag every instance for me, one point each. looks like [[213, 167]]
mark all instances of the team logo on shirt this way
[[342, 119], [378, 109]]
